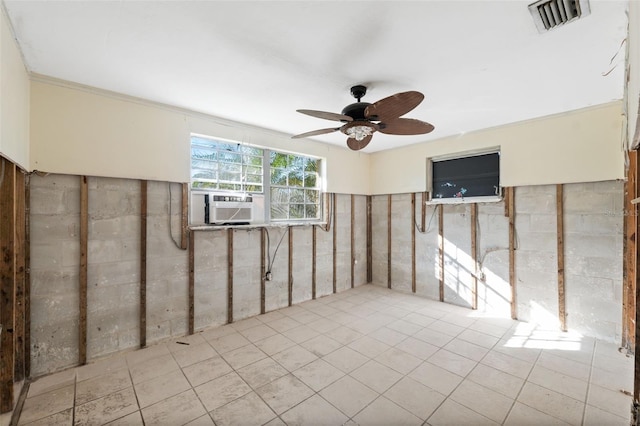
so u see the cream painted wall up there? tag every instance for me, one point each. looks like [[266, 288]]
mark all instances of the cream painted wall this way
[[633, 86], [14, 98], [76, 130], [580, 146]]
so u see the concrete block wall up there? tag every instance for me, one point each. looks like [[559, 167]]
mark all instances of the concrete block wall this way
[[114, 267], [458, 264]]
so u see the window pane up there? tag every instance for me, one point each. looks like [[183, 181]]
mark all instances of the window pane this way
[[278, 160], [204, 174], [279, 195], [253, 179], [311, 165], [278, 176], [311, 211], [295, 178], [309, 180], [279, 211], [311, 196], [297, 196], [296, 211]]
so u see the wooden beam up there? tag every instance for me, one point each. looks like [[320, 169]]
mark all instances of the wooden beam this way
[[184, 218], [192, 281], [389, 241], [630, 249], [474, 256], [27, 278], [7, 289], [369, 242], [314, 249], [143, 262], [562, 313], [512, 250], [263, 271], [413, 242], [353, 240], [441, 249], [84, 263], [290, 230], [20, 271], [335, 243], [230, 275], [423, 214]]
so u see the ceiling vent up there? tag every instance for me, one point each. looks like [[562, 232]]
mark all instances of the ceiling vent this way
[[548, 14]]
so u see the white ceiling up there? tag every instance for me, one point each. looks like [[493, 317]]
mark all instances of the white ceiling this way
[[480, 63]]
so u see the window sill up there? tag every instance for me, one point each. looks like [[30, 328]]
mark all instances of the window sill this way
[[254, 226]]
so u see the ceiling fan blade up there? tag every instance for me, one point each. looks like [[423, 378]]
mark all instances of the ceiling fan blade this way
[[405, 126], [357, 145], [326, 115], [393, 106], [314, 133]]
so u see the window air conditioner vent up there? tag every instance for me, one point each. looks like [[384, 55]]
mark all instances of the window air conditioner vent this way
[[548, 14]]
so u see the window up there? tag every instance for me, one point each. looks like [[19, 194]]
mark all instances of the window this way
[[467, 178], [289, 182]]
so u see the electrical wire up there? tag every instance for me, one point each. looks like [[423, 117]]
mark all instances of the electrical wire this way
[[271, 261], [433, 213]]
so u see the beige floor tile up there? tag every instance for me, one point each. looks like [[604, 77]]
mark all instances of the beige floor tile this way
[[305, 317], [565, 366], [217, 332], [447, 328], [283, 324], [436, 378], [294, 357], [243, 356], [47, 404], [63, 418], [477, 338], [321, 345], [496, 380], [202, 421], [52, 382], [417, 348], [363, 326], [262, 372], [418, 319], [345, 359], [344, 318], [259, 332], [552, 403], [405, 327], [508, 364], [454, 414], [453, 362], [614, 402], [344, 335], [376, 376], [222, 390], [388, 336], [516, 350], [413, 396], [566, 385], [206, 370], [246, 324], [300, 334], [155, 367], [133, 419], [466, 349], [146, 354], [594, 416], [348, 395], [612, 381], [270, 316], [177, 410], [368, 346], [160, 388], [284, 393], [323, 325], [274, 344], [229, 342], [318, 374], [399, 360], [193, 354], [249, 409], [100, 386], [487, 328], [523, 415], [183, 343], [433, 337], [383, 412], [314, 411], [101, 367], [483, 400], [106, 409]]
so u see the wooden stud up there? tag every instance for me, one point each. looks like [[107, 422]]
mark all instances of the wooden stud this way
[[413, 242], [353, 240], [314, 244], [20, 272], [441, 249], [474, 256], [27, 278], [369, 242], [290, 230], [143, 262], [263, 270], [389, 241], [184, 218], [423, 217], [84, 241], [630, 248], [7, 290], [230, 275], [192, 280], [560, 236], [512, 250], [335, 244]]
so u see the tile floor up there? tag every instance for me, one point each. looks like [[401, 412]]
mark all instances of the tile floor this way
[[367, 356]]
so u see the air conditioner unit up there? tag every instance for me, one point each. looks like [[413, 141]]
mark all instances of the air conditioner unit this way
[[226, 208]]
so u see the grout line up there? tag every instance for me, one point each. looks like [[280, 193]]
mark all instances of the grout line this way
[[586, 397]]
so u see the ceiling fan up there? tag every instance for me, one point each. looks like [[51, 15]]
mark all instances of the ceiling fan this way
[[362, 119]]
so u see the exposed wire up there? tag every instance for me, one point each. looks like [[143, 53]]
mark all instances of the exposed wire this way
[[270, 260], [171, 217], [327, 228], [433, 213]]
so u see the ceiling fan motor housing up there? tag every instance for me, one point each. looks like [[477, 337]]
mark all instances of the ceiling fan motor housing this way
[[356, 110]]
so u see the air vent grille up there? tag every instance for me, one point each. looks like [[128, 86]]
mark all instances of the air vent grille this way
[[548, 14]]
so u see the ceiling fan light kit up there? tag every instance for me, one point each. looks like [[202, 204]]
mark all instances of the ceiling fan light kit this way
[[363, 119]]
